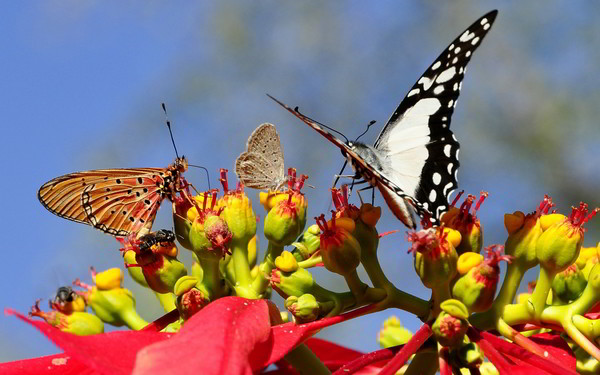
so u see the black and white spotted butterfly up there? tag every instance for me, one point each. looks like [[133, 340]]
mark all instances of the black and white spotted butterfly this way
[[415, 157]]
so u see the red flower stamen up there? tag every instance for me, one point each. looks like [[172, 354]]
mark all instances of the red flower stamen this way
[[579, 216], [544, 206], [223, 180], [457, 198], [494, 255], [429, 242]]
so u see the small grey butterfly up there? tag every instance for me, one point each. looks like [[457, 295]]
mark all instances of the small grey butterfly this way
[[261, 165]]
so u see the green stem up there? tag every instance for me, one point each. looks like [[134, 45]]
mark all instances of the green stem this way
[[133, 320], [212, 279], [439, 294], [167, 301], [241, 266], [261, 282], [395, 297], [374, 270], [310, 262], [306, 362], [357, 287], [362, 292], [407, 302], [488, 319], [537, 300]]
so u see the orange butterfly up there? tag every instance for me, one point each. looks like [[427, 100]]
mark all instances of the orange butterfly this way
[[116, 201]]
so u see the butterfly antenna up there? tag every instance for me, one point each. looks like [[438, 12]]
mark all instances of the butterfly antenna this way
[[206, 170], [320, 123], [367, 129], [164, 107]]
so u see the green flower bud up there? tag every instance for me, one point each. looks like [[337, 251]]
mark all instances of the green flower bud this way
[[307, 244], [78, 323], [286, 220], [135, 272], [190, 299], [339, 249], [523, 233], [115, 306], [558, 247], [449, 330], [393, 333], [435, 255], [294, 283], [304, 308], [210, 236], [568, 284], [477, 288], [466, 223], [237, 212], [286, 262]]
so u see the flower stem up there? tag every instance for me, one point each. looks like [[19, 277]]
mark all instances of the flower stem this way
[[133, 320], [241, 267], [310, 262], [376, 275], [261, 282], [306, 362], [167, 301], [395, 297], [488, 319], [537, 300], [212, 278]]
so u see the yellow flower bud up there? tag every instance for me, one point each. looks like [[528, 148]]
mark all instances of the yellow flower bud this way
[[467, 261], [109, 279], [286, 262]]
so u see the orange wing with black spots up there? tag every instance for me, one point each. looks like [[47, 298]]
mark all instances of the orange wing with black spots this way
[[116, 201]]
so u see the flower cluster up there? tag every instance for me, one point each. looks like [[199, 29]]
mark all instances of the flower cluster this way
[[553, 329]]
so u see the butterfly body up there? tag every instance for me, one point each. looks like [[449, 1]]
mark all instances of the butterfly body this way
[[116, 201], [414, 161]]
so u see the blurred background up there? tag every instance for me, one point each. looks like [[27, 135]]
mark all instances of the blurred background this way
[[82, 83]]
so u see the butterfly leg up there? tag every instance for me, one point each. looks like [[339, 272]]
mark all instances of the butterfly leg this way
[[367, 188], [337, 176]]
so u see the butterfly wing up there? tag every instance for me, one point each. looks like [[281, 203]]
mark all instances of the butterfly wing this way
[[261, 166], [257, 172], [421, 150], [116, 201], [265, 141]]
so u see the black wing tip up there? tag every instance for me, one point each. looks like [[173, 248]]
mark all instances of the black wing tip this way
[[491, 14]]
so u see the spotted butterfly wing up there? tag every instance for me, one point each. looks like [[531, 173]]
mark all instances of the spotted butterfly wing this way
[[116, 201], [261, 165], [415, 157]]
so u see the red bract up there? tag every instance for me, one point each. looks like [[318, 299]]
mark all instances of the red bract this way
[[107, 353], [232, 335], [510, 359]]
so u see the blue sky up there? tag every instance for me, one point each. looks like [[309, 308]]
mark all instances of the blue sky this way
[[82, 84]]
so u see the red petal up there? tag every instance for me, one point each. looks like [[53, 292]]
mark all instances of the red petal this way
[[57, 364], [107, 353], [220, 339]]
